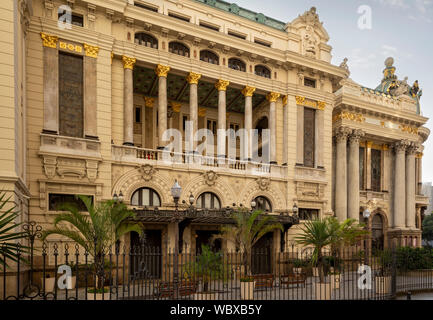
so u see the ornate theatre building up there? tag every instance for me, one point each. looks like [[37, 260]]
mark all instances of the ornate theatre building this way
[[90, 92]]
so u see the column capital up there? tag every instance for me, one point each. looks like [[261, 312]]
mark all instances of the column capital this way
[[248, 91], [222, 85], [356, 136], [161, 70], [342, 133], [419, 155], [272, 96], [193, 78], [285, 100], [412, 149], [401, 146], [128, 62], [91, 51], [49, 41]]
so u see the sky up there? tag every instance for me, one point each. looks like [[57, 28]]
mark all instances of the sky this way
[[399, 28]]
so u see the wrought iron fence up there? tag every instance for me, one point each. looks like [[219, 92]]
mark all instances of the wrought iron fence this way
[[64, 271]]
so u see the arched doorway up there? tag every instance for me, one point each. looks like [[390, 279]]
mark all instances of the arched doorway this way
[[377, 234]]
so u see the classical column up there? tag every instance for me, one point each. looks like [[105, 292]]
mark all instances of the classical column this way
[[319, 139], [399, 187], [285, 128], [272, 98], [353, 175], [90, 60], [221, 86], [193, 79], [248, 123], [369, 145], [128, 101], [410, 185], [299, 134], [51, 83], [341, 173], [419, 182], [162, 71]]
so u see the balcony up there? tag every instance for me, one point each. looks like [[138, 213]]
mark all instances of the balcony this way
[[165, 159]]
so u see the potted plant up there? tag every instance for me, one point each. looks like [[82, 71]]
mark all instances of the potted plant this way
[[322, 233], [96, 231], [298, 265], [207, 267], [383, 277], [248, 228]]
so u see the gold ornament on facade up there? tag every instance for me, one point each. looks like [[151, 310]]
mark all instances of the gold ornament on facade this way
[[357, 117], [248, 91], [408, 129], [321, 105], [193, 78], [91, 51], [222, 85], [419, 155], [272, 96], [300, 100], [201, 112], [128, 62], [385, 147], [175, 106], [70, 47], [285, 99], [112, 56], [49, 41], [162, 71], [148, 102]]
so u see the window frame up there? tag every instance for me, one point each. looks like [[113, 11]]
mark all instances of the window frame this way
[[154, 43], [215, 58], [66, 194], [242, 64], [266, 201], [313, 160], [265, 72], [152, 193], [186, 50], [213, 197]]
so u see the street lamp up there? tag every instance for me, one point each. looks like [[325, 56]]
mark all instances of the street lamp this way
[[176, 191], [295, 209], [120, 196], [115, 197], [253, 204], [191, 199]]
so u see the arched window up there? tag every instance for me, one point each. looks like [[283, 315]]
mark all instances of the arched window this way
[[178, 48], [146, 197], [208, 200], [262, 203], [146, 40], [237, 64], [262, 71], [209, 57]]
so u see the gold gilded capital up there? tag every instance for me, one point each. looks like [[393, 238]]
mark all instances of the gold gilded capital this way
[[222, 85], [193, 78], [321, 105], [248, 91], [369, 144], [112, 56], [49, 41], [201, 112], [385, 147], [300, 100], [148, 102], [91, 51], [285, 99], [128, 62], [162, 71], [175, 106], [272, 96]]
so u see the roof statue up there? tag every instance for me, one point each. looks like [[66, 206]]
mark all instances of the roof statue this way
[[311, 17], [396, 88], [344, 65]]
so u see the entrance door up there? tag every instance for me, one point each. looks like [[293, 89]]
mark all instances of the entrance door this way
[[204, 237], [377, 233], [261, 255], [146, 261]]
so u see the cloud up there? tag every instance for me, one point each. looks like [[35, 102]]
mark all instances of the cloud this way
[[388, 50], [417, 9], [360, 60]]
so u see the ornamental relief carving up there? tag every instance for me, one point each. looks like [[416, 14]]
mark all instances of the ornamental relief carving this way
[[263, 183], [67, 167], [146, 171], [307, 190], [210, 177]]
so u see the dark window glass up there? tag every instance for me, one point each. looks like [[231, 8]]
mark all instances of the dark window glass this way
[[309, 136], [233, 34], [138, 115], [178, 48], [376, 162], [212, 126], [146, 40], [70, 95], [361, 168], [55, 201], [308, 214], [262, 43], [262, 203], [145, 197], [208, 200], [179, 17], [237, 64], [140, 5], [309, 82], [208, 26], [77, 20], [262, 71], [209, 56]]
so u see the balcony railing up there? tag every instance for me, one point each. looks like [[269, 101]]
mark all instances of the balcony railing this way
[[196, 161]]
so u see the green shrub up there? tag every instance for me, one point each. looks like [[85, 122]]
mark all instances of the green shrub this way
[[414, 258]]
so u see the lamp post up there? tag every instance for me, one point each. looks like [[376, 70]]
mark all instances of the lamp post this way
[[295, 209], [253, 204], [176, 191], [366, 214]]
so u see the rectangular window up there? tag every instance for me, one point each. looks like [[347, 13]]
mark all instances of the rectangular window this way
[[184, 120], [308, 214], [179, 17], [376, 163], [77, 19], [309, 136], [212, 126], [138, 114], [71, 106], [361, 168], [237, 35], [55, 202], [262, 43], [309, 82], [209, 26], [145, 6]]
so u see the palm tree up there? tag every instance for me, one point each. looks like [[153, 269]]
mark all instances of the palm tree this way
[[331, 233], [248, 229], [96, 231], [8, 238]]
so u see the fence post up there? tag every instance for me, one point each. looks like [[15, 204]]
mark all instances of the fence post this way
[[394, 274]]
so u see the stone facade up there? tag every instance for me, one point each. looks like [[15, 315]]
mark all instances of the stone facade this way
[[136, 87]]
